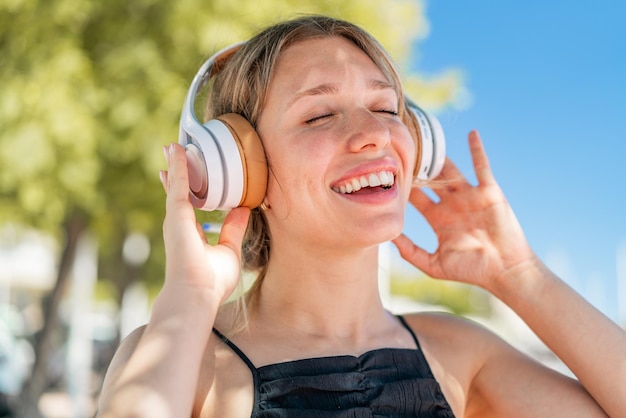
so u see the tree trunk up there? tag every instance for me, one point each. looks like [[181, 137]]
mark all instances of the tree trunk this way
[[36, 385]]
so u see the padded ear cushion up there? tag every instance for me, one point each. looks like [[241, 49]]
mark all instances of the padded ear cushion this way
[[253, 159]]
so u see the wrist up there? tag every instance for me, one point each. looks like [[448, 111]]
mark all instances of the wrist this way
[[522, 284], [179, 305]]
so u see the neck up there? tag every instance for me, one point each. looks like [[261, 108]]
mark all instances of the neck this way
[[331, 293]]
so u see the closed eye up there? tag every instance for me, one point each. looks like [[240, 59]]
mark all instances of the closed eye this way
[[317, 118], [389, 112], [327, 115]]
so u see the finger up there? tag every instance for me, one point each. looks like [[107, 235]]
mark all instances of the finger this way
[[163, 178], [415, 255], [201, 233], [177, 178], [420, 200], [234, 229], [450, 180], [480, 160], [450, 172], [180, 220]]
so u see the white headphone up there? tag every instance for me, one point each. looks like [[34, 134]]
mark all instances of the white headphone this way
[[225, 157]]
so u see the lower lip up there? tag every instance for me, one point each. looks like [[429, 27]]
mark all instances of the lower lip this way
[[377, 196]]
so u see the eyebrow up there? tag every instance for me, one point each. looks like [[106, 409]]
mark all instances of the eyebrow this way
[[331, 88]]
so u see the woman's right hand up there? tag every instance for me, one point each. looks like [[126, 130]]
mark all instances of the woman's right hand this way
[[154, 373], [191, 263]]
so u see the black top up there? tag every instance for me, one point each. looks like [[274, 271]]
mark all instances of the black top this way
[[386, 382]]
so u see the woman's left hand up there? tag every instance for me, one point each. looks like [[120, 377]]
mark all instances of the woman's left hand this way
[[480, 239]]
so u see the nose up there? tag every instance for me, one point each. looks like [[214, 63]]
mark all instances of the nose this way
[[367, 131]]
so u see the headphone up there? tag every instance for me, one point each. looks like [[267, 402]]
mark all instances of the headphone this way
[[225, 157]]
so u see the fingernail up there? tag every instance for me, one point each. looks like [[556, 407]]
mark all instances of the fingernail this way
[[162, 177], [165, 152], [171, 149]]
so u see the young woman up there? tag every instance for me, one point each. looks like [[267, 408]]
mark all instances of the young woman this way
[[316, 340]]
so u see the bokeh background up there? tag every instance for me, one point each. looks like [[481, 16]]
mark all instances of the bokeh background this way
[[90, 91]]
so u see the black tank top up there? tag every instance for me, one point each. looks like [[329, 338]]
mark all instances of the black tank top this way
[[386, 382]]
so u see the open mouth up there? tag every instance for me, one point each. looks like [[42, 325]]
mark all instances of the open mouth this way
[[381, 179]]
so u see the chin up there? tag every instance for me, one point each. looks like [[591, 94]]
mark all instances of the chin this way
[[386, 229]]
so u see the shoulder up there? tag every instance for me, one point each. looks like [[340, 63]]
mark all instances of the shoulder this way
[[456, 349], [225, 385], [483, 376], [121, 357], [124, 351], [454, 335], [461, 342], [457, 341]]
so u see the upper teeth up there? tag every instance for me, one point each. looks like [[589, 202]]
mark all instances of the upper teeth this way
[[381, 178]]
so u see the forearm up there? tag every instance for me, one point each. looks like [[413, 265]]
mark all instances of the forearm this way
[[591, 345], [160, 376]]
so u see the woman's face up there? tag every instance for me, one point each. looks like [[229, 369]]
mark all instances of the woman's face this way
[[341, 160]]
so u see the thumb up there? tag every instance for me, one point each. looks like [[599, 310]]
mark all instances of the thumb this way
[[415, 255], [234, 229]]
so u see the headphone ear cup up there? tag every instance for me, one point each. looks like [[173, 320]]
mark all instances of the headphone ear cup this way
[[431, 150], [206, 189], [252, 157], [226, 163]]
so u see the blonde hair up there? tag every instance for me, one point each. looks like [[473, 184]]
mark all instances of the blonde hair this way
[[241, 84]]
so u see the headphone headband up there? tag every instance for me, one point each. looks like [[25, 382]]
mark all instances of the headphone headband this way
[[202, 77]]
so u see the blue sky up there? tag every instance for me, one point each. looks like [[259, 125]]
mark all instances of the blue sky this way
[[547, 84]]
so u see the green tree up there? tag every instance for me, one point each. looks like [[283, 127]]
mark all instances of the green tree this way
[[90, 91]]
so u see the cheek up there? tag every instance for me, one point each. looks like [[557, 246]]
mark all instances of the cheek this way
[[292, 179], [303, 161], [406, 147], [407, 151]]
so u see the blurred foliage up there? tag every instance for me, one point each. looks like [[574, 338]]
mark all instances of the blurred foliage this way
[[459, 298], [92, 90]]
